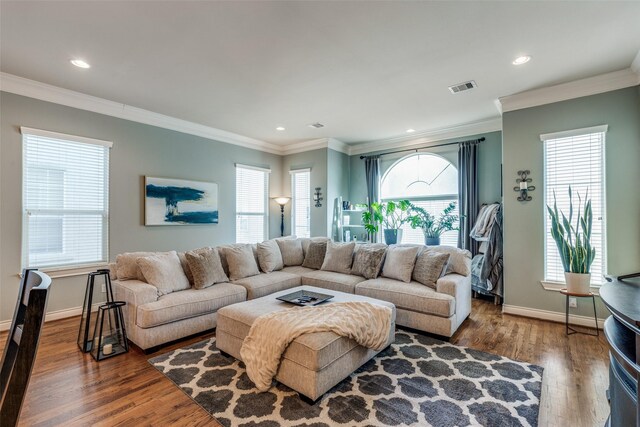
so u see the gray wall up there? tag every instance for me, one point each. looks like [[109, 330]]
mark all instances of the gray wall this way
[[489, 160], [524, 221], [138, 150], [337, 183], [317, 161]]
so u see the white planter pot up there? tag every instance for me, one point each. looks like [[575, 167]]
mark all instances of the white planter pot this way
[[578, 283]]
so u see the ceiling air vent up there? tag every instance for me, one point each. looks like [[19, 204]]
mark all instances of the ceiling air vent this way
[[316, 125], [461, 87]]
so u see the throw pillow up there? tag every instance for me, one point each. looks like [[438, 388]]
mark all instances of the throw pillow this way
[[459, 259], [291, 250], [269, 256], [430, 266], [164, 272], [368, 260], [399, 263], [241, 262], [339, 257], [315, 255], [127, 267], [185, 266], [206, 268]]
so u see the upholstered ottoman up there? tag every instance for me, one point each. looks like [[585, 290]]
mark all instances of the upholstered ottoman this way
[[313, 363]]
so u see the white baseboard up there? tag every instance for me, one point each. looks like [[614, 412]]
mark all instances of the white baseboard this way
[[553, 316], [55, 315]]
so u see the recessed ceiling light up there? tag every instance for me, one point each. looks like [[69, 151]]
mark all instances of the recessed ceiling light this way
[[279, 128], [80, 63], [521, 60], [411, 130]]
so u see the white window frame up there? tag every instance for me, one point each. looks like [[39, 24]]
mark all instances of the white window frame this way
[[60, 266], [448, 197], [294, 175], [597, 279], [265, 214]]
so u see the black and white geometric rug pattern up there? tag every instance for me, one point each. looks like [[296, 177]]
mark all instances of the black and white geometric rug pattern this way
[[417, 381]]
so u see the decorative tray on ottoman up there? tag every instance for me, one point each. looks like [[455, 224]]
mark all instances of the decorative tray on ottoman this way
[[305, 298]]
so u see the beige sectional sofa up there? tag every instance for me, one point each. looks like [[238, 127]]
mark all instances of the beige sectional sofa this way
[[154, 317]]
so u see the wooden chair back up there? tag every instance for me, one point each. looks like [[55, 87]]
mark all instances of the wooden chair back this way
[[22, 343]]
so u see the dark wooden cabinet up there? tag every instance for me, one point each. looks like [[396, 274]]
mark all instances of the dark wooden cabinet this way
[[621, 295]]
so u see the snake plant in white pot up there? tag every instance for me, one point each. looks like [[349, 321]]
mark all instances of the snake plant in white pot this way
[[574, 243]]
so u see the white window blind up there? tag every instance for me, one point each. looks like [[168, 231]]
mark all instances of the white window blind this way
[[65, 200], [428, 181], [301, 203], [575, 158], [252, 185]]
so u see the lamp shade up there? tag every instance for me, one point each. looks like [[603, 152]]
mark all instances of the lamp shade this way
[[282, 200]]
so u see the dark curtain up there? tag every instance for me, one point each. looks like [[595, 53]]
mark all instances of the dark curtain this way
[[468, 193], [372, 171]]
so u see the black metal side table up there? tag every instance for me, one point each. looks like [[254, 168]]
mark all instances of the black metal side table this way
[[569, 329], [85, 341]]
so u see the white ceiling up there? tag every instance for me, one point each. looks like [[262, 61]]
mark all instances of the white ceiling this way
[[368, 71]]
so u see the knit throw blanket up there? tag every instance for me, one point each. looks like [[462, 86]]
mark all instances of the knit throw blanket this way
[[270, 335]]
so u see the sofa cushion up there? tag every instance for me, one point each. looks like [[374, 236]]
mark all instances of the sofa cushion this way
[[187, 304], [332, 280], [314, 256], [399, 262], [205, 267], [306, 242], [298, 269], [268, 283], [339, 257], [430, 266], [223, 257], [269, 256], [185, 266], [459, 259], [241, 261], [291, 250], [127, 266], [164, 271], [367, 260], [411, 296]]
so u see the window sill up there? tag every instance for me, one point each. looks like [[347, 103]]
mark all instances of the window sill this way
[[558, 286], [78, 270]]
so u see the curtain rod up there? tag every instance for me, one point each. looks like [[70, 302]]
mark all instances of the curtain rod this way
[[423, 148]]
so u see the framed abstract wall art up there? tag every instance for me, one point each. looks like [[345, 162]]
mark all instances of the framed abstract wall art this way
[[179, 202]]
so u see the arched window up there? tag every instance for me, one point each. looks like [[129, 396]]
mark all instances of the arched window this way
[[428, 181]]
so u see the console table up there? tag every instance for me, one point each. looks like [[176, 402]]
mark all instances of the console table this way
[[621, 295]]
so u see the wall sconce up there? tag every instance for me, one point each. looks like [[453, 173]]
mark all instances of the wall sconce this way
[[317, 198], [523, 186]]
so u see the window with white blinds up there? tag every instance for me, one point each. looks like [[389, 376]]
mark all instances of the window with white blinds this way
[[301, 203], [65, 198], [252, 213], [576, 159]]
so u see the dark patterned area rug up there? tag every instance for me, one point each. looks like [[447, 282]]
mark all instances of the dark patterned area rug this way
[[417, 381]]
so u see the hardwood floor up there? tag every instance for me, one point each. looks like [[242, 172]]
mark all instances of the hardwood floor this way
[[69, 388]]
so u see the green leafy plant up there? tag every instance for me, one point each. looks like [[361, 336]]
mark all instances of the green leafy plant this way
[[430, 225], [573, 242], [391, 215]]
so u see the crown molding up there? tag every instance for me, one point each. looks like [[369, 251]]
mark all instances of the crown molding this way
[[45, 92], [426, 137], [590, 86]]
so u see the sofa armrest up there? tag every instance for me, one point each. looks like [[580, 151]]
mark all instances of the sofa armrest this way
[[135, 293], [454, 284], [459, 287]]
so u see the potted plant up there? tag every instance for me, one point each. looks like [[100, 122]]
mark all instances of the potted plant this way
[[431, 226], [574, 243], [391, 215]]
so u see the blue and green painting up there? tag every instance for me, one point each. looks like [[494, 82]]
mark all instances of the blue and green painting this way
[[179, 202]]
